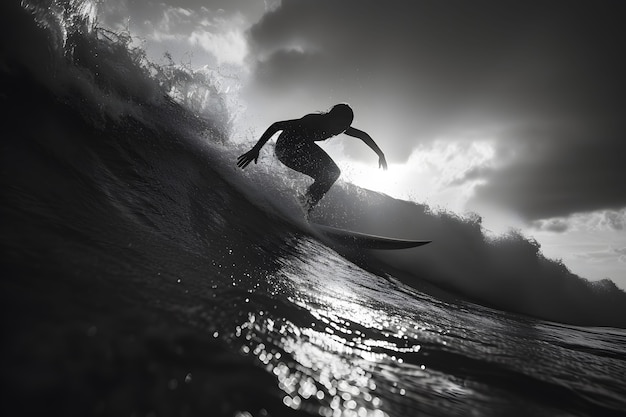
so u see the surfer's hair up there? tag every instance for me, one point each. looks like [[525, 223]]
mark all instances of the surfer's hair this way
[[342, 111]]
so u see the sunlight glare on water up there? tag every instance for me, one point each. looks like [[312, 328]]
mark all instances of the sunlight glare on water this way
[[336, 364]]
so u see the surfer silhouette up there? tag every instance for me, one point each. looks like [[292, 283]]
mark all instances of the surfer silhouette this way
[[296, 148]]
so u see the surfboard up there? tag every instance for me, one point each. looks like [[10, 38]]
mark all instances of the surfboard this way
[[365, 240]]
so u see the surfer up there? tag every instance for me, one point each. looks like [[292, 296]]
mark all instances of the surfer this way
[[296, 148]]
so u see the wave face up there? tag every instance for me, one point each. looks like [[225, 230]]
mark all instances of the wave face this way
[[143, 273]]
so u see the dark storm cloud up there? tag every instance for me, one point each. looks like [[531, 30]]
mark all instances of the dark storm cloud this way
[[412, 65], [552, 173], [548, 76]]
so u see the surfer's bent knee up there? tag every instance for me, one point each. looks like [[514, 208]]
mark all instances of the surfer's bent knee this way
[[328, 175], [334, 173]]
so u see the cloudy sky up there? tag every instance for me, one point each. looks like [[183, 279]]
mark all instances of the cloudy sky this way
[[514, 110]]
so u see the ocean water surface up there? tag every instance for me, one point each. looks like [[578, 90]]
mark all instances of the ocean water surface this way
[[144, 274]]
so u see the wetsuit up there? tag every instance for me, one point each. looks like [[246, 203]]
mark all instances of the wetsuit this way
[[296, 148]]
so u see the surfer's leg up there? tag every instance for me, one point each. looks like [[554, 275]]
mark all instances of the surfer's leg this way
[[311, 160], [324, 171]]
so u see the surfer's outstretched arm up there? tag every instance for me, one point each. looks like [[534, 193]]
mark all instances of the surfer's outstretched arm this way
[[253, 154], [356, 133]]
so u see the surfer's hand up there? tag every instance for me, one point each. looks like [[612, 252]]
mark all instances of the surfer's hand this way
[[245, 159], [382, 162]]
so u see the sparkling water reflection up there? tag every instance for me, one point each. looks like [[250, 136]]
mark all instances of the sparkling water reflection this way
[[344, 342], [344, 360]]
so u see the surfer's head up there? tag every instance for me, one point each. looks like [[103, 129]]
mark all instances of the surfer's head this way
[[340, 118]]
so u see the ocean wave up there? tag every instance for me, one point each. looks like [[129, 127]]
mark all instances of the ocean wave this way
[[147, 136]]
